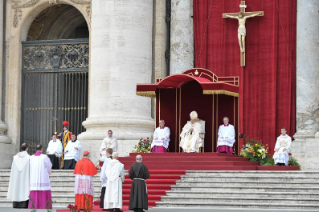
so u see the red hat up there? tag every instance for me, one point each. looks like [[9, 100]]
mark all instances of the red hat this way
[[65, 123], [86, 153]]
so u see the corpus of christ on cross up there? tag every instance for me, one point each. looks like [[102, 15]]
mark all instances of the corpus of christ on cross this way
[[242, 16]]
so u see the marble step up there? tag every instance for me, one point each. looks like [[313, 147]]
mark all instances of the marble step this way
[[248, 183], [213, 200], [246, 189], [250, 179], [235, 205], [262, 174], [201, 194]]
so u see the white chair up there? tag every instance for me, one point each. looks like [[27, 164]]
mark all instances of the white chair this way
[[202, 134]]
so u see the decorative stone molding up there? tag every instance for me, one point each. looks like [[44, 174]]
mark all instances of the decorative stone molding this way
[[17, 7], [18, 10]]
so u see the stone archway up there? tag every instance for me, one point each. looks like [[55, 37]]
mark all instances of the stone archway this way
[[20, 17], [55, 61]]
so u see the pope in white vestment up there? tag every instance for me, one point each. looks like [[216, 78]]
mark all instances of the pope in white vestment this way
[[19, 184], [160, 138], [282, 148], [108, 142], [226, 137], [54, 152], [115, 177], [190, 139], [72, 153]]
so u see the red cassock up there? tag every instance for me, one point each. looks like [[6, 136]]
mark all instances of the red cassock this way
[[84, 189]]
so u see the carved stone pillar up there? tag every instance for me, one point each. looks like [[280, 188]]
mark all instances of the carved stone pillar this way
[[121, 57], [182, 36], [160, 40], [305, 147], [3, 126]]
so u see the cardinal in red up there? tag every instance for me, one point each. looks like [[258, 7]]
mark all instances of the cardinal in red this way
[[84, 189]]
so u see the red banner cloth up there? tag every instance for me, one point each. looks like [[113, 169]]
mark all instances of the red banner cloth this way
[[269, 77]]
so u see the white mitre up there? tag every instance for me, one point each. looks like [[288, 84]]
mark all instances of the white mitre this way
[[193, 115]]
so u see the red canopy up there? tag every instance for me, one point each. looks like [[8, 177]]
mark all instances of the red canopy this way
[[210, 83]]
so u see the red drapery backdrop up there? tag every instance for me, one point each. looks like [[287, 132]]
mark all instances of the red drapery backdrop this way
[[268, 83]]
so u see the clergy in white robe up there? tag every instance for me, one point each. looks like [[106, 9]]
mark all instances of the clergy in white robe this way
[[282, 149], [190, 139], [160, 138], [108, 142], [226, 137], [54, 151], [19, 184], [72, 153], [115, 177], [103, 177], [40, 186]]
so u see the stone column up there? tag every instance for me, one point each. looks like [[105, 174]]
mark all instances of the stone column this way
[[121, 57], [3, 126], [182, 36], [160, 40], [306, 145]]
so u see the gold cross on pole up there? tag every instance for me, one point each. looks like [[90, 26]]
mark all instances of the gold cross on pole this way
[[242, 16]]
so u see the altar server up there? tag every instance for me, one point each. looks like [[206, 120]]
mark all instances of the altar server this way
[[138, 197], [84, 188], [40, 186], [190, 139], [115, 177], [54, 151], [282, 149], [103, 177], [161, 138], [108, 142], [19, 182], [226, 137], [72, 153]]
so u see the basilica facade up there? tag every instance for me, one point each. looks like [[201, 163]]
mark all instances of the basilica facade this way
[[80, 61]]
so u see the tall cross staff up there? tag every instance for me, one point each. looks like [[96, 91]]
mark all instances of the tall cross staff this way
[[242, 16]]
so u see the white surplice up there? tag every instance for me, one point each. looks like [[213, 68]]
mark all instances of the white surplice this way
[[226, 135], [19, 188], [73, 153], [162, 136], [281, 156], [108, 142], [115, 177], [103, 177], [55, 146], [191, 141], [40, 171]]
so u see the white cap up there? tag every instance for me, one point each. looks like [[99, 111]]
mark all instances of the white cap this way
[[193, 115]]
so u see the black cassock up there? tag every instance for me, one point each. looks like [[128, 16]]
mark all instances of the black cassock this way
[[138, 197], [55, 161]]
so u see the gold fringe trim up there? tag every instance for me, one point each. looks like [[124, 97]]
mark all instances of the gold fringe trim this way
[[151, 94], [229, 93]]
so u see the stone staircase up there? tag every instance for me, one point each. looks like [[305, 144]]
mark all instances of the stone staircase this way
[[245, 189], [62, 183]]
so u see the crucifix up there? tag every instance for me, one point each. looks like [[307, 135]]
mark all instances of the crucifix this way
[[242, 16]]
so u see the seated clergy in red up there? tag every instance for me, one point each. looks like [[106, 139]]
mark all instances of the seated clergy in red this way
[[226, 137], [84, 188]]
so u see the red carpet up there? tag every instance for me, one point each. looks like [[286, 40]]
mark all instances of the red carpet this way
[[166, 168]]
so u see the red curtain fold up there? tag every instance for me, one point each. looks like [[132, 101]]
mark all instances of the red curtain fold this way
[[269, 77]]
